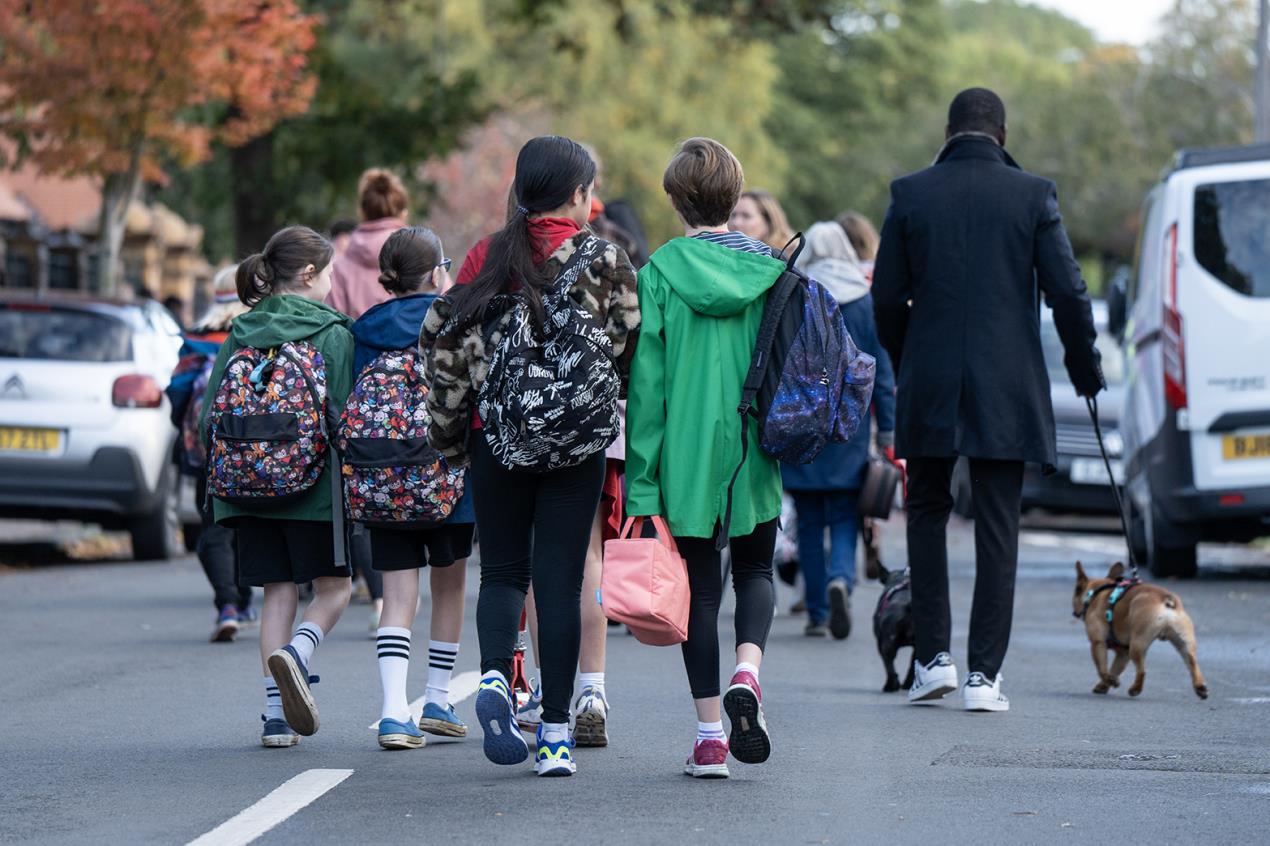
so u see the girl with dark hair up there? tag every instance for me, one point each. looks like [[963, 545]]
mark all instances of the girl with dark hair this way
[[534, 526], [412, 268], [286, 545]]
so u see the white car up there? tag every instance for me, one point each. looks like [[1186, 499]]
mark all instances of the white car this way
[[85, 432], [1196, 418]]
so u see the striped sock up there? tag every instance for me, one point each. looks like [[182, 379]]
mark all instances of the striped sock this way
[[709, 731], [305, 641], [394, 662], [441, 657], [273, 700]]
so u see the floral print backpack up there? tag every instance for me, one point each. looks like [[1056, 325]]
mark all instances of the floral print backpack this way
[[268, 425], [392, 476]]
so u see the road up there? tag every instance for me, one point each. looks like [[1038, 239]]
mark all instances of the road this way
[[120, 724]]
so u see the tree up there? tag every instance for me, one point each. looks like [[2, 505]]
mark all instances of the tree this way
[[111, 90]]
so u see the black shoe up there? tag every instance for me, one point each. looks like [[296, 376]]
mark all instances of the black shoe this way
[[839, 609]]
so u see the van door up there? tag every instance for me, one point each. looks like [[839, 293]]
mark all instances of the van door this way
[[1222, 295]]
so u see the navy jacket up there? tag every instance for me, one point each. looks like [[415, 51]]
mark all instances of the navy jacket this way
[[394, 325], [841, 467], [967, 246]]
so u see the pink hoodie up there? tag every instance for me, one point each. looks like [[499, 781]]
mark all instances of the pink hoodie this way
[[355, 276]]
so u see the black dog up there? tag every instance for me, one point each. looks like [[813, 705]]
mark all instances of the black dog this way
[[893, 625]]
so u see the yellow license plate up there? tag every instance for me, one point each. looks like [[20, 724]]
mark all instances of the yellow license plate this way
[[1235, 447], [17, 439]]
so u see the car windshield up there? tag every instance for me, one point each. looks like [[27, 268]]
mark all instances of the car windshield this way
[[1232, 234], [1112, 359], [56, 334]]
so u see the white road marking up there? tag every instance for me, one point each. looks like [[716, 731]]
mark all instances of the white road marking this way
[[288, 798], [461, 687], [1102, 546], [1252, 700]]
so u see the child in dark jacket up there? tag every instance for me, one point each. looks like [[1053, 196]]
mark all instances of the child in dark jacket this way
[[283, 546], [412, 268]]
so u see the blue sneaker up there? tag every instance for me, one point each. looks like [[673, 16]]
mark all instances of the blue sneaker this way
[[396, 735], [504, 744], [293, 681], [554, 758], [442, 721], [529, 715], [226, 625], [249, 616], [277, 734]]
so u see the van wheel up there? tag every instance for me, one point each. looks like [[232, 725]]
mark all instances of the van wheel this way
[[154, 535], [1137, 539], [1167, 553]]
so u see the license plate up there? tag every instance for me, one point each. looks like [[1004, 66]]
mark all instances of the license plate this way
[[1237, 447], [21, 439], [1091, 471]]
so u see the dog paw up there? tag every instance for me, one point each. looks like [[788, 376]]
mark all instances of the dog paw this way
[[1102, 687], [1110, 682], [1202, 691], [1135, 690], [891, 686]]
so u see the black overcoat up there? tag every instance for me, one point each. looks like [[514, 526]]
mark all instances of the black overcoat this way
[[968, 246]]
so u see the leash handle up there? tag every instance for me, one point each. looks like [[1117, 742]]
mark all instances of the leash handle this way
[[1092, 404]]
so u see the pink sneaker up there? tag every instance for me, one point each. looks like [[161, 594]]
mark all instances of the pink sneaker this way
[[709, 759], [743, 703]]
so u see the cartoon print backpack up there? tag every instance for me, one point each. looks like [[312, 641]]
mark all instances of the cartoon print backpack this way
[[193, 452], [268, 425], [392, 476], [550, 400], [808, 384]]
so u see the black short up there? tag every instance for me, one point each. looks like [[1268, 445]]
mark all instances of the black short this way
[[285, 551], [410, 549]]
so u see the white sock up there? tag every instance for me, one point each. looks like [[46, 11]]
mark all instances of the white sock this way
[[746, 666], [393, 645], [305, 641], [710, 731], [592, 680], [273, 700], [441, 657], [555, 732]]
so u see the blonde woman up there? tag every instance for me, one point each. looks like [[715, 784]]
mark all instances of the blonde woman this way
[[758, 215]]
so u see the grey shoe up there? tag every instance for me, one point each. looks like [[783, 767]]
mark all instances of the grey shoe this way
[[814, 629], [839, 609]]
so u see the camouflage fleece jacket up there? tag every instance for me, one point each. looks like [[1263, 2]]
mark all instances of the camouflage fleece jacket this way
[[456, 363]]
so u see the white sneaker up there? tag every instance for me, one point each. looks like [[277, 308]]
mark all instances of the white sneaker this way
[[979, 694], [590, 723], [935, 680]]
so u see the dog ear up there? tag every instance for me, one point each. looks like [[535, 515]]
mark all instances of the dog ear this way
[[1116, 571], [1080, 574]]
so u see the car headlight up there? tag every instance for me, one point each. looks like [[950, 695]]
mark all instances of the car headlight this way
[[1114, 443]]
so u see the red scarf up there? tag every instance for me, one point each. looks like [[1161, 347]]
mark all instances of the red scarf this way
[[547, 234]]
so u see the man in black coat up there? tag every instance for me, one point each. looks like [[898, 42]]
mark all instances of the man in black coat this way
[[968, 246]]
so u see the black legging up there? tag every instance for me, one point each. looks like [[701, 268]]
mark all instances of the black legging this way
[[533, 525], [755, 599]]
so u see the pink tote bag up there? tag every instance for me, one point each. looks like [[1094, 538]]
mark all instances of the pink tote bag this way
[[645, 584]]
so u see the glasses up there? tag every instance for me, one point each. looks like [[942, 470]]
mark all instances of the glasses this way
[[445, 264]]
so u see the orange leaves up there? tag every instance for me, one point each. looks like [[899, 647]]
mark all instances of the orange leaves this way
[[104, 86]]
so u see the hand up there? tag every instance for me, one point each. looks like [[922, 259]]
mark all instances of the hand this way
[[1092, 385]]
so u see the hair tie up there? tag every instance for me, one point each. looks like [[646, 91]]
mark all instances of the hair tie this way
[[522, 210]]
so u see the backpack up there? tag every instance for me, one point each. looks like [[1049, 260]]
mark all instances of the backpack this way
[[268, 426], [808, 384], [193, 453], [392, 476], [549, 400]]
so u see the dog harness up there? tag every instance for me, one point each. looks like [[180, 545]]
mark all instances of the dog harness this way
[[1118, 589], [905, 583]]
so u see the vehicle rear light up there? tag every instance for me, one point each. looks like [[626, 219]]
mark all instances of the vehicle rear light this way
[[39, 308], [136, 391], [1228, 500], [1171, 333]]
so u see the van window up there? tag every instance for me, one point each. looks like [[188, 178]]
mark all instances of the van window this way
[[1232, 234]]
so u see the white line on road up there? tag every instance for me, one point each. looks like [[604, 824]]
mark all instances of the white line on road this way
[[288, 798], [461, 687], [1101, 546]]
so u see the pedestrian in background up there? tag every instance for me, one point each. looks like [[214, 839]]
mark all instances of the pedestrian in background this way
[[535, 526], [384, 204], [758, 215], [968, 246], [864, 239], [292, 543], [826, 491], [412, 268], [702, 300]]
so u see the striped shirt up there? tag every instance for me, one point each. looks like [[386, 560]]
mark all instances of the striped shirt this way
[[735, 241]]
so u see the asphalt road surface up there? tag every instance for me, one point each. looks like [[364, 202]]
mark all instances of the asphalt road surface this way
[[119, 723]]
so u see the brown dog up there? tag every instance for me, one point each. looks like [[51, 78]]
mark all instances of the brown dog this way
[[1141, 615]]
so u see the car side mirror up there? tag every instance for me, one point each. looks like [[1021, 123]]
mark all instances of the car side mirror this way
[[1117, 306]]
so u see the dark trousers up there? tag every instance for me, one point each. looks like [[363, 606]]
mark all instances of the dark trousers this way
[[218, 553], [534, 527], [755, 599], [997, 488], [363, 561]]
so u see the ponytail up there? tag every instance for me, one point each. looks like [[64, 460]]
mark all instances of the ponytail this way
[[278, 268], [254, 279]]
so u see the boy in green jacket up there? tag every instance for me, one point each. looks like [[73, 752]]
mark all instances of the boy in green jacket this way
[[702, 299], [284, 546]]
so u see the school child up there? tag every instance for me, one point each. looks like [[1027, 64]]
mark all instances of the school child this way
[[279, 381], [417, 513]]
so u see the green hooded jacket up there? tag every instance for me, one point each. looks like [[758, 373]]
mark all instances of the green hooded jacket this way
[[273, 321], [701, 304]]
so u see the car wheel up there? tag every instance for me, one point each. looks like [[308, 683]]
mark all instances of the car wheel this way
[[154, 535], [1137, 539], [1169, 555]]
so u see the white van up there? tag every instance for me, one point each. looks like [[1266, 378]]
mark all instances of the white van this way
[[1196, 418]]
